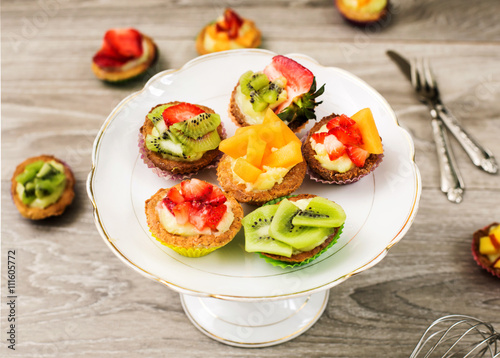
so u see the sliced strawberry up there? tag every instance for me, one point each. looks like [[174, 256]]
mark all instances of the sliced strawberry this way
[[181, 212], [230, 23], [196, 190], [348, 136], [334, 147], [217, 197], [175, 196], [319, 137], [340, 121], [216, 214], [169, 204], [180, 112], [127, 42], [357, 155], [198, 215]]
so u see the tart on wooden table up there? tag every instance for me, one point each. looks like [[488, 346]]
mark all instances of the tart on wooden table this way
[[486, 248], [293, 231], [341, 149], [261, 162], [124, 54], [42, 187], [363, 12], [285, 86], [180, 138], [228, 32], [194, 217]]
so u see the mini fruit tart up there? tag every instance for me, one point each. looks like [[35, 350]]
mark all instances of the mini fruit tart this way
[[295, 230], [261, 162], [125, 54], [180, 138], [486, 248], [42, 186], [341, 150], [193, 218], [285, 86], [228, 32], [363, 12]]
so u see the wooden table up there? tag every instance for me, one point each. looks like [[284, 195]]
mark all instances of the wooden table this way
[[76, 299]]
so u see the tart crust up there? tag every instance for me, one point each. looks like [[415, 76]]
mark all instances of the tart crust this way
[[54, 209], [194, 241], [117, 75], [179, 167], [302, 256], [291, 182], [331, 175]]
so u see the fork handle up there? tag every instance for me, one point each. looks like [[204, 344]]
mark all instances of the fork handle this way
[[451, 181], [480, 156]]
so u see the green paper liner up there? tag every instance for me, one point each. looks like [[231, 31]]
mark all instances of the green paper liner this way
[[284, 264]]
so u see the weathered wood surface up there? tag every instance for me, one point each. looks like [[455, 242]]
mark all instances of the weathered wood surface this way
[[76, 299]]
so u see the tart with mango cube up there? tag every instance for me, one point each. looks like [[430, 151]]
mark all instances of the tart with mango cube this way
[[180, 138], [261, 162], [42, 187], [341, 149], [284, 86], [486, 248], [193, 218], [228, 32], [124, 54]]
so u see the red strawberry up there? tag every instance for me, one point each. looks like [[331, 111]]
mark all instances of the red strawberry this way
[[319, 137], [181, 212], [127, 42], [217, 197], [198, 215], [334, 147], [180, 112], [340, 121], [196, 189], [169, 204], [298, 78], [357, 155], [216, 214], [348, 136], [231, 23], [175, 196]]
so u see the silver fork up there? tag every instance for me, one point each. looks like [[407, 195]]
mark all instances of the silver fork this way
[[425, 86]]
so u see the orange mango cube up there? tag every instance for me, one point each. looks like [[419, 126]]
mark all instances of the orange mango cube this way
[[284, 157], [255, 149], [246, 171], [366, 124]]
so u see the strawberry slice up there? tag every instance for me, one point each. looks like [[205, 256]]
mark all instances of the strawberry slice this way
[[180, 112], [216, 214], [334, 147], [198, 215], [175, 196], [181, 212], [216, 197], [196, 190], [319, 137], [230, 23], [127, 42], [357, 155], [169, 204], [348, 136], [298, 78], [340, 121]]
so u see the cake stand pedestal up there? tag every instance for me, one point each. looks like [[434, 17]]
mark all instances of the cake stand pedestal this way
[[256, 323]]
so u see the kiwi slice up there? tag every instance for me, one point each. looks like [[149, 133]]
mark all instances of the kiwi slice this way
[[29, 172], [156, 116], [303, 238], [199, 125], [258, 103], [257, 238], [164, 145], [204, 143], [250, 81], [320, 212], [271, 93]]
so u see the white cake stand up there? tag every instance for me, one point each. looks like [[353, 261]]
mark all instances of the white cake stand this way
[[233, 296]]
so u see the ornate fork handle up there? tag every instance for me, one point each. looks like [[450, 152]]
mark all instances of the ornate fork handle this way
[[481, 157], [451, 181]]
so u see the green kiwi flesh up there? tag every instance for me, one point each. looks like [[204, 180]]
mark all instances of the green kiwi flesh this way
[[199, 125], [204, 143], [320, 212], [260, 91]]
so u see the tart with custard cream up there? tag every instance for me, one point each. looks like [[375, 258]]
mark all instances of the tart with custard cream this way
[[194, 217], [342, 150], [228, 32], [124, 54], [261, 162]]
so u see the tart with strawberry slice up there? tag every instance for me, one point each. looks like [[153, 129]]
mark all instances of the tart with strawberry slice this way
[[194, 217], [124, 54], [228, 32], [486, 248], [180, 138], [341, 149], [285, 86]]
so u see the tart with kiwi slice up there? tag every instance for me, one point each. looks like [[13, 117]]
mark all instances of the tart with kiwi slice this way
[[341, 149], [486, 248], [180, 138], [42, 187], [228, 32], [125, 54], [285, 86], [293, 231], [194, 217], [261, 162]]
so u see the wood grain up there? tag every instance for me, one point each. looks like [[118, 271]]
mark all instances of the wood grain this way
[[76, 299]]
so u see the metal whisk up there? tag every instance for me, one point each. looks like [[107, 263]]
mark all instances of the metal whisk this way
[[457, 336]]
